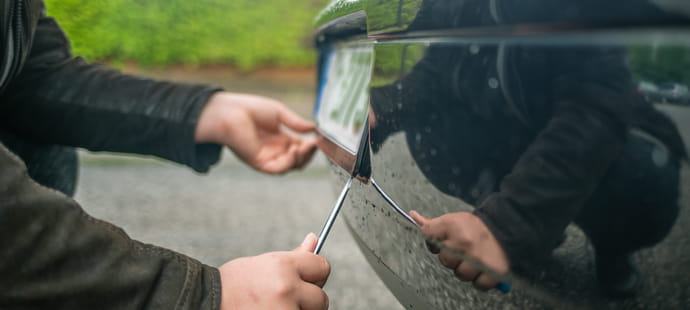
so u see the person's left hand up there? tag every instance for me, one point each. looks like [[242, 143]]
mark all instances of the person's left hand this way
[[255, 128], [467, 234]]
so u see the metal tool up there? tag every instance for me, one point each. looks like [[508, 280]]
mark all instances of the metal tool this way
[[332, 216], [361, 170], [504, 287]]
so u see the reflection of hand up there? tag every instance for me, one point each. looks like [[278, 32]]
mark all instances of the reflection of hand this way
[[251, 127], [277, 280], [467, 234]]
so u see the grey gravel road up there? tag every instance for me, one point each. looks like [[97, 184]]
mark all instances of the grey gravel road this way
[[231, 212]]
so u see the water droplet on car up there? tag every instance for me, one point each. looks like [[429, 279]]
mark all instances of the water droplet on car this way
[[474, 49], [493, 83], [660, 156]]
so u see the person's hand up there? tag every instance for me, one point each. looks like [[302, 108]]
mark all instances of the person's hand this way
[[256, 129], [467, 234], [277, 280]]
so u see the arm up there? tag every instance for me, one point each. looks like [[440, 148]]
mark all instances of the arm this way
[[518, 225], [54, 255], [59, 99]]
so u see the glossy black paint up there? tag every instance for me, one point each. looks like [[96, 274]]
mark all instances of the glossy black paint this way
[[545, 134]]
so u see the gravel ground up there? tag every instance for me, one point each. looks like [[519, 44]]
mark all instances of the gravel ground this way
[[231, 212]]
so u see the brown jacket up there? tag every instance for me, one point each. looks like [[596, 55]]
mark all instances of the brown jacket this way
[[53, 254]]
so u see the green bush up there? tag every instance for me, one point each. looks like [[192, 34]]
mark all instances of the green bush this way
[[246, 33]]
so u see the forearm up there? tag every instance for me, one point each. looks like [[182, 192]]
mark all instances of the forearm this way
[[63, 100], [52, 254], [551, 181]]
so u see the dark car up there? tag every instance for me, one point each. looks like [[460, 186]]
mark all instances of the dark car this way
[[526, 115]]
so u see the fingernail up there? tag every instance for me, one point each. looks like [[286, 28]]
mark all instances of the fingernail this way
[[308, 238]]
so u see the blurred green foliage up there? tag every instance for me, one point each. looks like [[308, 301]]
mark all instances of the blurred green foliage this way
[[661, 64], [394, 61], [385, 15], [246, 33]]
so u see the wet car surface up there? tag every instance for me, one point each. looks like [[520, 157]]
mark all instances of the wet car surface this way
[[524, 110]]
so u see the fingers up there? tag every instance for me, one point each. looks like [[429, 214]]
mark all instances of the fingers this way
[[295, 122], [292, 153], [305, 151], [466, 272], [308, 244], [281, 160], [448, 259], [485, 282], [434, 228], [418, 218], [312, 297], [312, 268]]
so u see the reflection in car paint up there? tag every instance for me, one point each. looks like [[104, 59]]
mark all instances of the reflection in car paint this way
[[457, 112]]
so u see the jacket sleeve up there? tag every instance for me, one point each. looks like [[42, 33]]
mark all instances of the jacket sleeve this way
[[562, 167], [60, 99], [53, 255]]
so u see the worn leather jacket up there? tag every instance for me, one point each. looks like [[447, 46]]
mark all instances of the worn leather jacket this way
[[53, 254]]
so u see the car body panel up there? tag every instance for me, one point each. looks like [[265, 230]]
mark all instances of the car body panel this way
[[386, 16], [451, 113]]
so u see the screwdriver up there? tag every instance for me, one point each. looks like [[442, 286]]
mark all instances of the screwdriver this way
[[332, 216]]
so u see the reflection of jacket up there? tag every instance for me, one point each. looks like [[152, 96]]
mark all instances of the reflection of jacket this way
[[52, 254], [533, 130], [525, 133]]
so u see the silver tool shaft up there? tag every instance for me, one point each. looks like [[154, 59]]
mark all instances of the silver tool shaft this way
[[331, 218]]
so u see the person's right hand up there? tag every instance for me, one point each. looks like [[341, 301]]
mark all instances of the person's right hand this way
[[276, 280]]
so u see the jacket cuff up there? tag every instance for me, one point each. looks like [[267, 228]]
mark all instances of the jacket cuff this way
[[183, 149], [202, 288], [522, 245]]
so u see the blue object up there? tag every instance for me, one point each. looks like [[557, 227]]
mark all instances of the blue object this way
[[503, 287]]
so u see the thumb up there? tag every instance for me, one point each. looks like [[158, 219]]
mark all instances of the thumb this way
[[308, 244]]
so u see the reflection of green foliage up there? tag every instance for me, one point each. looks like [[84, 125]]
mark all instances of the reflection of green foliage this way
[[243, 32], [382, 14], [393, 61], [387, 63], [408, 11], [413, 54], [386, 15], [338, 8], [665, 64]]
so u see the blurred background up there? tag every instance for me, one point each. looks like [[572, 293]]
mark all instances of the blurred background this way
[[253, 46]]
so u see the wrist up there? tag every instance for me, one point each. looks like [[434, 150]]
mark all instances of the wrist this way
[[211, 125]]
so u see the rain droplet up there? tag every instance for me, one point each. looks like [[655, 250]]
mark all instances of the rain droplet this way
[[474, 49], [432, 152], [660, 156], [493, 83]]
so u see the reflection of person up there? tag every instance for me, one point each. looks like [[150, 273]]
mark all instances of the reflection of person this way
[[540, 137], [52, 254]]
